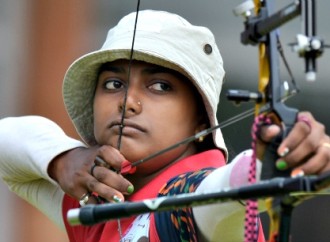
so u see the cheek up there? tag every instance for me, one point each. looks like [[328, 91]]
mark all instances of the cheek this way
[[186, 114], [103, 106], [100, 114], [178, 119], [96, 120]]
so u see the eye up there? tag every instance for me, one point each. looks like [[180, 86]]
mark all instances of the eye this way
[[160, 87], [113, 84]]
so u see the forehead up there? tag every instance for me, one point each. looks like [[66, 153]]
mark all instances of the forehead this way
[[125, 65]]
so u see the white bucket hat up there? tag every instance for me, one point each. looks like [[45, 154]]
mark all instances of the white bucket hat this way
[[163, 39]]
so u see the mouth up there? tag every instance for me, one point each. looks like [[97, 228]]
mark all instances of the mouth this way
[[127, 126]]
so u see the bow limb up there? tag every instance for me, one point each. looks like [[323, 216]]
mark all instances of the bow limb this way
[[263, 66], [263, 75]]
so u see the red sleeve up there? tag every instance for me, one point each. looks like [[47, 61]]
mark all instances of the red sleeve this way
[[79, 233], [69, 203]]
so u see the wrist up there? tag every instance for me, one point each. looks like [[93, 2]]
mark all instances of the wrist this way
[[60, 162]]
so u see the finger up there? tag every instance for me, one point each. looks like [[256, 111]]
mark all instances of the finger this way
[[87, 198], [303, 143], [97, 192], [111, 155], [325, 147], [104, 193], [78, 188], [268, 132], [326, 168], [314, 165], [102, 163], [84, 199], [111, 179], [302, 131], [296, 136], [298, 155], [318, 163]]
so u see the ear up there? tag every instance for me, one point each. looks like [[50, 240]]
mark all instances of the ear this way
[[200, 127]]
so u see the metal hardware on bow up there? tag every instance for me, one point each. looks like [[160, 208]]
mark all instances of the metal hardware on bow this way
[[260, 28]]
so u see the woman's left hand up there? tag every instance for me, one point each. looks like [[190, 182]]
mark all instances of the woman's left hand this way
[[306, 149]]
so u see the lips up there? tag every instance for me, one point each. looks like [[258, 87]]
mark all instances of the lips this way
[[128, 124]]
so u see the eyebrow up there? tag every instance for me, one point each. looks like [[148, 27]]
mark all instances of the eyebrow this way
[[112, 68], [151, 70], [160, 69]]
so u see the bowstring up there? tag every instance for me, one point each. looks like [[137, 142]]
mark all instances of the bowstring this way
[[128, 78], [125, 98]]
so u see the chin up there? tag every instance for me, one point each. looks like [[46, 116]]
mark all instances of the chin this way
[[132, 155], [111, 141]]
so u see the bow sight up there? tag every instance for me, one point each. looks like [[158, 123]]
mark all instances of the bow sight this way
[[258, 24]]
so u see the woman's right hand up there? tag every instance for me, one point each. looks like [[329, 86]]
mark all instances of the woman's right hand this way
[[72, 171]]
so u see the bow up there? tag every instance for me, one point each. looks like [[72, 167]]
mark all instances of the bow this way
[[260, 28]]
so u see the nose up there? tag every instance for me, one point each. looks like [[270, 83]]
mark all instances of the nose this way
[[131, 103]]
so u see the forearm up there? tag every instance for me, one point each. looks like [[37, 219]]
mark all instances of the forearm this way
[[224, 221], [28, 145]]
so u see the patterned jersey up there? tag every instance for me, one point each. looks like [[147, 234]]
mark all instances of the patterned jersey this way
[[178, 225]]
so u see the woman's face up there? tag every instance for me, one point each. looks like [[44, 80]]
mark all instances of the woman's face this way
[[161, 110]]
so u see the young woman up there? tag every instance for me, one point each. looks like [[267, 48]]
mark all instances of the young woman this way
[[127, 110]]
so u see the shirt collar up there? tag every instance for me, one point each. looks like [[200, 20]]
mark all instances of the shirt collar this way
[[210, 158]]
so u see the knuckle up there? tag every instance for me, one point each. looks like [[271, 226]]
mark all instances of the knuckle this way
[[312, 146], [101, 175], [70, 187], [102, 150], [322, 127], [92, 185]]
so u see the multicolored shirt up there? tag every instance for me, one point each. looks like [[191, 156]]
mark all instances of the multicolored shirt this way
[[178, 225]]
